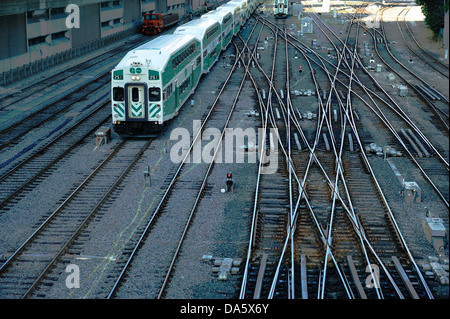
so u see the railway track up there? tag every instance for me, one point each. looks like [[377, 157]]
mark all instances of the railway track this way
[[187, 185], [25, 268], [27, 174], [410, 41], [335, 236], [321, 226], [394, 109]]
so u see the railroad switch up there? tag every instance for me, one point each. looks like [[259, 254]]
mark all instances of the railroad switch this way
[[102, 136], [224, 266], [412, 192], [435, 232]]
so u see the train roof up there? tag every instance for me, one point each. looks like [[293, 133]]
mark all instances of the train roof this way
[[229, 5], [217, 14], [240, 2], [155, 53], [196, 27]]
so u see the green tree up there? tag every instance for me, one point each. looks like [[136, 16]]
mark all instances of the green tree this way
[[434, 13]]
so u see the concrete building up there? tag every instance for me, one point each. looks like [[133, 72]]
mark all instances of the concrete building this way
[[306, 25], [35, 30], [446, 35]]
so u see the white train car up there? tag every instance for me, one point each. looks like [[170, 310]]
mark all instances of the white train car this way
[[238, 17], [245, 8], [281, 9], [207, 32], [225, 19], [152, 82]]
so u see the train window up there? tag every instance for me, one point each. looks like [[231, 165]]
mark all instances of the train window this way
[[154, 94], [118, 94], [135, 94]]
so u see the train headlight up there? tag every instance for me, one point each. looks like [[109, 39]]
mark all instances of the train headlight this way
[[135, 78]]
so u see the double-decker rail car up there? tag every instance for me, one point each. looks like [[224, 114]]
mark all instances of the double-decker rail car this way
[[245, 8], [207, 32], [225, 19], [235, 9], [152, 82], [281, 9]]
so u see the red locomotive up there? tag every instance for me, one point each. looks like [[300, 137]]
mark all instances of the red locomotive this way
[[154, 23]]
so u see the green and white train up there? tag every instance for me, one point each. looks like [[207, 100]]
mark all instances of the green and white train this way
[[281, 9], [153, 81]]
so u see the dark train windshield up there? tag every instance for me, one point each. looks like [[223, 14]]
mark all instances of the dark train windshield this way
[[118, 94], [154, 94]]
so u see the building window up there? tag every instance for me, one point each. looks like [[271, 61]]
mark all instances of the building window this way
[[57, 13], [59, 35], [36, 41]]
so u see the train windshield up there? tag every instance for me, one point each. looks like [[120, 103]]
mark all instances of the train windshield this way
[[154, 94], [118, 94]]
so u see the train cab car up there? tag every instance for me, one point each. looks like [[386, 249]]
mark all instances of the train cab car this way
[[208, 33], [152, 82], [225, 19], [281, 9]]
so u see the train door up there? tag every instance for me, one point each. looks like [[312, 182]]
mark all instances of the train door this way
[[191, 69], [177, 94], [136, 102]]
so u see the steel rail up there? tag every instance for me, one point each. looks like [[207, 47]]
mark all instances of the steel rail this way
[[389, 126], [311, 158], [356, 226], [262, 150], [435, 109], [205, 178], [88, 218], [395, 223], [418, 45], [47, 146], [361, 146], [398, 110], [314, 217], [44, 224], [171, 184]]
